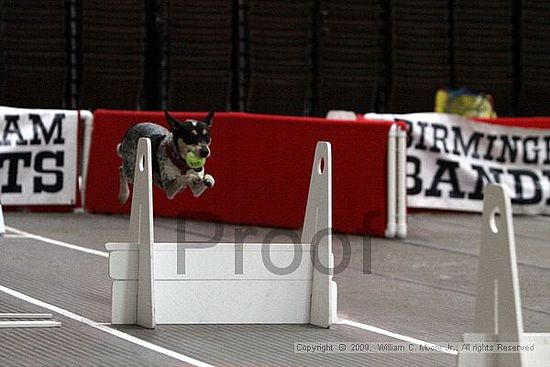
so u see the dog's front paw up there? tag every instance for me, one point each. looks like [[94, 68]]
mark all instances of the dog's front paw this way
[[123, 192], [208, 181], [195, 180]]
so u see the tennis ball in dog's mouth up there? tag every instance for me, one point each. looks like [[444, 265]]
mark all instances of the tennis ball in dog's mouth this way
[[193, 160]]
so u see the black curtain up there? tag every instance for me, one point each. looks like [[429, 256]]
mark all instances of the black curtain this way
[[301, 57]]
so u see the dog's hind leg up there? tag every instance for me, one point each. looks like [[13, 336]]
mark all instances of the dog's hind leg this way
[[124, 190], [172, 188]]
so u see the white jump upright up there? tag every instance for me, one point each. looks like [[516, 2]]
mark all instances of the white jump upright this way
[[197, 283], [391, 227], [396, 176], [401, 181], [141, 232], [498, 316], [2, 224]]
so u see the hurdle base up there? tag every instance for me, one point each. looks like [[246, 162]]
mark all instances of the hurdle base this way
[[218, 302], [541, 342], [478, 359], [539, 357]]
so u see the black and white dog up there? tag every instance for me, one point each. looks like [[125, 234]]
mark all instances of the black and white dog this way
[[173, 169]]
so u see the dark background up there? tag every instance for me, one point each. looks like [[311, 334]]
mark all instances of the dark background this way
[[273, 56]]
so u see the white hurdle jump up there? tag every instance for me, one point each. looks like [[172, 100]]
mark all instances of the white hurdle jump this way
[[147, 288], [498, 316]]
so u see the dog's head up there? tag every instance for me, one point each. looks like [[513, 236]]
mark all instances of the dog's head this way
[[191, 135]]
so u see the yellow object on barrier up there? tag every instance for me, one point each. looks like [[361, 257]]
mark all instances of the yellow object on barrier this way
[[464, 102]]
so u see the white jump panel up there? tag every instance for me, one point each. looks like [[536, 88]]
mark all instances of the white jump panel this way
[[219, 302], [194, 283], [498, 316]]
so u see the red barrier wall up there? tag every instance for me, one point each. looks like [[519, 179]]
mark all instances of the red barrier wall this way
[[262, 165]]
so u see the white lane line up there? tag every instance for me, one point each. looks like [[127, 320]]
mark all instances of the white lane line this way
[[58, 243], [14, 236], [105, 328], [405, 338], [341, 321]]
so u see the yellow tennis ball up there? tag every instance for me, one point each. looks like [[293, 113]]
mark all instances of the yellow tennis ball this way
[[194, 161]]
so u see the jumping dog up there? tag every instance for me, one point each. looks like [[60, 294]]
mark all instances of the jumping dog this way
[[171, 150]]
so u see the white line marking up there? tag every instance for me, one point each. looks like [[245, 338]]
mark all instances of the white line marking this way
[[105, 328], [13, 236], [58, 243], [405, 338]]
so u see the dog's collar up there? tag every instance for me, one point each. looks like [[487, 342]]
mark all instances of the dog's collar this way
[[176, 159]]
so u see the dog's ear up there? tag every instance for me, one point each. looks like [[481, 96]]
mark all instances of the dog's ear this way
[[174, 124], [209, 118]]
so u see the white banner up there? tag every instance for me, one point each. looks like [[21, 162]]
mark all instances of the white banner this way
[[38, 156], [450, 159]]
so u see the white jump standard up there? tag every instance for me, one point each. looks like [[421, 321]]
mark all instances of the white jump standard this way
[[2, 224], [498, 317], [148, 290]]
